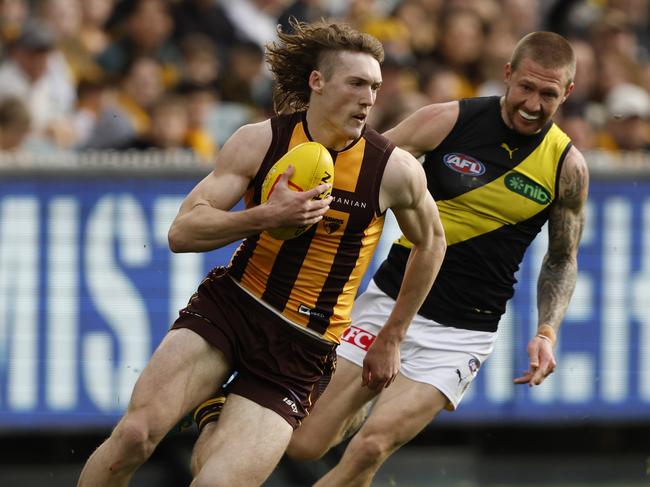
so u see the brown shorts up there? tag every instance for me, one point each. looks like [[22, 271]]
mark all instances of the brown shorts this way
[[279, 367]]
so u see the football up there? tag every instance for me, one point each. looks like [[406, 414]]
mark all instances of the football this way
[[313, 165]]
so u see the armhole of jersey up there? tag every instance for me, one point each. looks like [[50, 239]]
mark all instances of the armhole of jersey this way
[[560, 165], [463, 106], [386, 151], [279, 126]]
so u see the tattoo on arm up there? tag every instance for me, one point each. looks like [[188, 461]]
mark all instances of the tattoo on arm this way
[[559, 270]]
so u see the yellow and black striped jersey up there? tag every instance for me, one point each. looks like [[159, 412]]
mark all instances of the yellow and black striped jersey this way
[[493, 187], [312, 280]]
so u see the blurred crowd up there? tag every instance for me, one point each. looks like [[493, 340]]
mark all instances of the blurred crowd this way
[[182, 75]]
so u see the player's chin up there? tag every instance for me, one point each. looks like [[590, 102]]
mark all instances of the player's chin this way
[[528, 128], [354, 129]]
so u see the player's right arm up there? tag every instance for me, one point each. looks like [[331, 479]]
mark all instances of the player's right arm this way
[[425, 128], [205, 222]]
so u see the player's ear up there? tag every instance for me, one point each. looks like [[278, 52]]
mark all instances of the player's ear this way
[[316, 81], [507, 72], [568, 91]]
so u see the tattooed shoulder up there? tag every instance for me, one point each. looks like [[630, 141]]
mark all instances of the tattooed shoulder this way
[[574, 179]]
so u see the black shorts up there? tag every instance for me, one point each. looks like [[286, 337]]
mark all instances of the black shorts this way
[[279, 366]]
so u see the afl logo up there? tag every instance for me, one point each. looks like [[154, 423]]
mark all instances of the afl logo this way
[[463, 164]]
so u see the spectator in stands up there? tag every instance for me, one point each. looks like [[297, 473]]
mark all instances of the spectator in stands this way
[[201, 60], [523, 16], [13, 14], [577, 127], [246, 81], [35, 72], [462, 35], [628, 127], [440, 84], [144, 30], [93, 34], [586, 73], [614, 32], [421, 24], [200, 100], [638, 14], [204, 17], [500, 41], [167, 130], [62, 16], [90, 103], [126, 114], [66, 18], [14, 123]]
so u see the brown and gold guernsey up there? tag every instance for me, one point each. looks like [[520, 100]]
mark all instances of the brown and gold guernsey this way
[[312, 280], [494, 188]]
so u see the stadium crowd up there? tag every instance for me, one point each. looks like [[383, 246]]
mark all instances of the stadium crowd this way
[[182, 75]]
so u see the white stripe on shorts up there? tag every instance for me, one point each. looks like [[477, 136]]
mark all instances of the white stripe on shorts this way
[[447, 358]]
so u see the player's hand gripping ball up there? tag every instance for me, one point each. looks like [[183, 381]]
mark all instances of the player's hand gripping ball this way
[[313, 165]]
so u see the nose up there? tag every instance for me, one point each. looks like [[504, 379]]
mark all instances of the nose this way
[[533, 103], [368, 98]]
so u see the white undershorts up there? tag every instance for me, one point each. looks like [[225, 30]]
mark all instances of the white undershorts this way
[[447, 358]]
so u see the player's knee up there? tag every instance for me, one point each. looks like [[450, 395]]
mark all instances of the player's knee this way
[[369, 451], [134, 440], [305, 447]]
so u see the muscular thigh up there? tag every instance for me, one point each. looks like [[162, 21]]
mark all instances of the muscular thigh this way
[[183, 371], [244, 446]]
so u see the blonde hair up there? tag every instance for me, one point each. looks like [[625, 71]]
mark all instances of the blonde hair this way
[[309, 47]]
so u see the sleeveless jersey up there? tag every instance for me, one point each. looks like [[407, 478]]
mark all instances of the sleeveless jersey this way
[[312, 280], [493, 187]]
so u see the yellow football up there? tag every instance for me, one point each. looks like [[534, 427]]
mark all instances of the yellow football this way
[[313, 165]]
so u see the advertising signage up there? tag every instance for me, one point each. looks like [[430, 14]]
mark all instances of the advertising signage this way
[[88, 288]]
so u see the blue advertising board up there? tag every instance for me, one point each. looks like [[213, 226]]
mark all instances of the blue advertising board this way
[[88, 288]]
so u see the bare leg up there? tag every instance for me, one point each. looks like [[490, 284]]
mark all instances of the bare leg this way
[[401, 412], [339, 410], [243, 447], [182, 372]]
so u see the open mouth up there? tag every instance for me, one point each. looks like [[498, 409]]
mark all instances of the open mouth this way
[[527, 116]]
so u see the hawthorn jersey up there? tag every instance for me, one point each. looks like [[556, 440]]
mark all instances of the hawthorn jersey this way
[[312, 280], [493, 187]]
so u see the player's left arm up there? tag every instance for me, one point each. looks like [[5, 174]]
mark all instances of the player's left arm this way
[[404, 191], [557, 277]]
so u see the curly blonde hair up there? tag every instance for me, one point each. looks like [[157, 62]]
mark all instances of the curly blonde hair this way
[[295, 55]]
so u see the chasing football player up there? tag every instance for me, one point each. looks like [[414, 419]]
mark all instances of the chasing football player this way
[[499, 168]]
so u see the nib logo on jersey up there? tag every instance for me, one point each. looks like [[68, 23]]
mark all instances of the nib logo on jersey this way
[[358, 337], [463, 164], [526, 187]]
